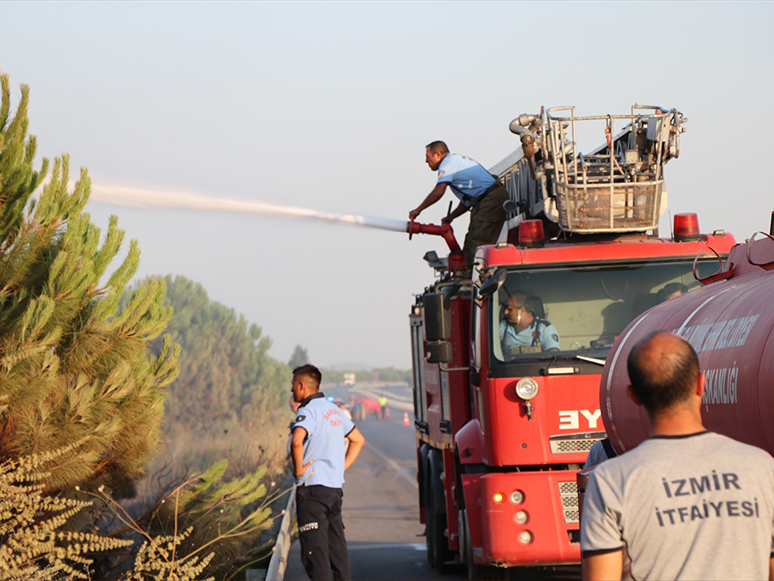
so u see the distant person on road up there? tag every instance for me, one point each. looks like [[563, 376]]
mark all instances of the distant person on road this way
[[383, 406], [477, 190], [686, 503], [319, 462], [523, 330]]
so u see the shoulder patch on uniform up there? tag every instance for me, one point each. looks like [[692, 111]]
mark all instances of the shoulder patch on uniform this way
[[300, 418], [554, 336]]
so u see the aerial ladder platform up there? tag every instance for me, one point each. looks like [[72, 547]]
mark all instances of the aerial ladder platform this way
[[616, 188]]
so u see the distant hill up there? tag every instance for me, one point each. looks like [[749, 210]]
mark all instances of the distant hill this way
[[349, 367], [364, 373]]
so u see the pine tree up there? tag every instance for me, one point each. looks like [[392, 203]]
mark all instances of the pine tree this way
[[230, 399], [299, 357], [72, 364]]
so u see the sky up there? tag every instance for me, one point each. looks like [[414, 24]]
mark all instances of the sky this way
[[327, 106]]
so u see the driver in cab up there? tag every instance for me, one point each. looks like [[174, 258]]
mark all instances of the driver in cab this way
[[522, 330]]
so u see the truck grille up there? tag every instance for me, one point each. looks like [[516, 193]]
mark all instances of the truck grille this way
[[568, 492], [567, 446], [574, 442]]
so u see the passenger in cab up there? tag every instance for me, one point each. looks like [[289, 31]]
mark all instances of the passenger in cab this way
[[672, 290], [523, 328]]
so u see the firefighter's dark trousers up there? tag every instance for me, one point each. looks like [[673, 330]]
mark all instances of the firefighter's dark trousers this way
[[321, 533], [486, 221]]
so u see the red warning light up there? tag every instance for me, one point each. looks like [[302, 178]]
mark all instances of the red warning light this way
[[686, 227], [531, 234]]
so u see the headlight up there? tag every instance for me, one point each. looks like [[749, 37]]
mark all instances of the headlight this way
[[525, 537], [521, 517], [526, 388], [517, 497]]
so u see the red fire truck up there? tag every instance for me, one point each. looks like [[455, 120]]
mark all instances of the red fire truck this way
[[502, 428]]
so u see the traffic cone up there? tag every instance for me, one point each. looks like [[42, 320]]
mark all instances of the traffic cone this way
[[406, 419], [386, 413]]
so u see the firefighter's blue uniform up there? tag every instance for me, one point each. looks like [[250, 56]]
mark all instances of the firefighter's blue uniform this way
[[318, 493], [540, 333]]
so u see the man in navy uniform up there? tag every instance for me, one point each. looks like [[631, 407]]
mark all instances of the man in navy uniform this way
[[319, 462], [477, 190], [522, 331]]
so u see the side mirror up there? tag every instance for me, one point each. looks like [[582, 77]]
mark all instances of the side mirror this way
[[440, 352], [493, 283], [437, 317]]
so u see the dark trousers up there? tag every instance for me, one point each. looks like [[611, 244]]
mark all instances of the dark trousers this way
[[486, 221], [321, 533]]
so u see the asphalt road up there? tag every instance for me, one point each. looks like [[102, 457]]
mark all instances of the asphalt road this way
[[381, 515]]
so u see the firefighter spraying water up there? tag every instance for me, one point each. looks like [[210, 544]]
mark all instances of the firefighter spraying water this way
[[507, 364]]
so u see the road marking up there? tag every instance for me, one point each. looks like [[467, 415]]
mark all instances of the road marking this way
[[371, 546], [393, 507], [393, 464]]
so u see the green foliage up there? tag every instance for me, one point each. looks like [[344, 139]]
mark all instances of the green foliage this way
[[298, 358], [158, 560], [74, 367], [221, 521], [33, 545], [230, 399], [195, 531], [72, 364]]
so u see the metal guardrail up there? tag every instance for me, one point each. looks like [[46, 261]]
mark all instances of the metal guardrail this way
[[279, 560]]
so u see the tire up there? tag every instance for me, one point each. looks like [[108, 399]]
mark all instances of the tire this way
[[438, 553], [430, 529]]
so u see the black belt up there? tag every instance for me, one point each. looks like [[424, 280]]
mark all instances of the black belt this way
[[491, 188], [474, 202]]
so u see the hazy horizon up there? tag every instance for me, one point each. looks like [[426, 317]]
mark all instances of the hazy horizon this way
[[327, 106]]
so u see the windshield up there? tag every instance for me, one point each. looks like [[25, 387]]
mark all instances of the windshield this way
[[574, 310]]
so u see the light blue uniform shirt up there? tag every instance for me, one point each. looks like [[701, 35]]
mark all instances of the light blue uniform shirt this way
[[326, 428], [466, 178], [546, 334]]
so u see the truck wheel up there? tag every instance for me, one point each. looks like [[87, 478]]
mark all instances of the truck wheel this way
[[480, 572], [437, 545], [438, 553]]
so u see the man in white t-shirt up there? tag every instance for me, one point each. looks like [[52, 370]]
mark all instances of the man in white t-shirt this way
[[686, 503], [477, 190]]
